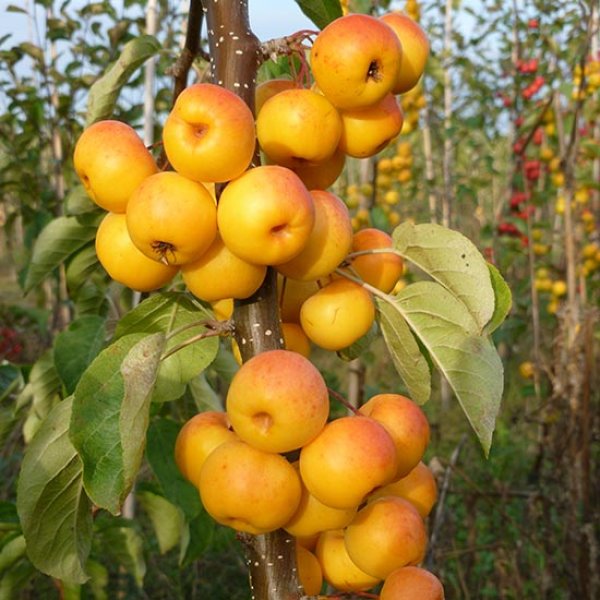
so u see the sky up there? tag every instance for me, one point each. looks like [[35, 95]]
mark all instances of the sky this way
[[268, 18]]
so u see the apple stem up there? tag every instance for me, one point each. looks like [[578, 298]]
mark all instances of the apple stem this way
[[342, 400], [367, 286], [223, 327], [353, 255], [190, 341]]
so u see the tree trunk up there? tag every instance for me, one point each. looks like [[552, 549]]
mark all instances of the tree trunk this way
[[235, 57]]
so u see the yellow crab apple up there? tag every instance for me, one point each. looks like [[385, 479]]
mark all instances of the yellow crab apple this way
[[111, 161], [277, 401], [418, 487], [209, 134], [219, 274], [415, 50], [291, 295], [124, 262], [309, 571], [347, 460], [405, 422], [321, 175], [265, 216], [338, 568], [298, 126], [337, 315], [385, 535], [366, 131], [409, 583], [328, 243], [295, 339], [172, 219], [381, 269], [268, 89], [312, 517], [355, 60], [248, 489], [198, 437]]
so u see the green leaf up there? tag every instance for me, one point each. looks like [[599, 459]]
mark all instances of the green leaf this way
[[321, 12], [166, 519], [13, 582], [160, 452], [16, 9], [81, 267], [205, 398], [41, 391], [379, 218], [10, 379], [198, 536], [164, 313], [467, 360], [124, 544], [503, 300], [77, 202], [99, 578], [9, 519], [34, 51], [110, 416], [76, 347], [11, 551], [104, 92], [405, 352], [453, 261], [61, 238], [54, 510]]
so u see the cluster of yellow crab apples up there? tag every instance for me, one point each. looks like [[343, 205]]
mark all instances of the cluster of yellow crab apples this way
[[355, 499], [279, 214], [358, 494]]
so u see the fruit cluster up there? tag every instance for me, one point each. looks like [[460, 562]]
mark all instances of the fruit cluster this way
[[278, 214], [356, 498]]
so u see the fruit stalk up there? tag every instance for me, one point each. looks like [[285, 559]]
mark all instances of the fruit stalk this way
[[235, 57]]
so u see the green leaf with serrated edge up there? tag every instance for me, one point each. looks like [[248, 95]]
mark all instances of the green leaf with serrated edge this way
[[453, 261], [467, 360], [81, 267], [405, 352], [110, 415], [166, 519], [120, 540], [503, 300], [76, 347], [54, 510], [166, 312], [104, 92], [321, 12], [61, 238], [160, 452]]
